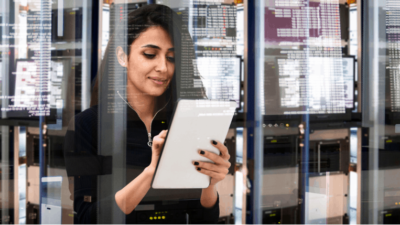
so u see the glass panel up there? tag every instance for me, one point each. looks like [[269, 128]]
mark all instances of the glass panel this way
[[379, 176], [302, 97], [306, 74], [88, 90], [312, 85], [45, 81], [155, 55]]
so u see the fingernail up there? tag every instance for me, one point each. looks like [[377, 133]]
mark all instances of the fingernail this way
[[214, 142], [202, 152], [196, 163], [198, 169]]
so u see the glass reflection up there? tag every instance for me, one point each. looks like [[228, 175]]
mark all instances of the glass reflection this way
[[112, 148]]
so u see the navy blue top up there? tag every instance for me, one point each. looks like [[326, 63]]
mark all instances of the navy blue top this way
[[84, 163]]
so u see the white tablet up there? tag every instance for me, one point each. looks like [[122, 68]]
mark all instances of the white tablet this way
[[194, 125]]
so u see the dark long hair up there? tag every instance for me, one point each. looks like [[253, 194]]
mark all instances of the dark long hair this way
[[186, 82]]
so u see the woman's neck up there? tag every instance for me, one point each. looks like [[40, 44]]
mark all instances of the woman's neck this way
[[143, 104]]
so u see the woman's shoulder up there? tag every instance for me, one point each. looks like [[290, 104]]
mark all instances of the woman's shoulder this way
[[88, 114], [85, 119]]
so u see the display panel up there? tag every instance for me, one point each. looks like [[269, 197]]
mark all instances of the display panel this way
[[212, 26], [25, 84], [30, 96], [349, 80], [392, 70], [26, 81], [305, 54], [221, 77], [25, 99]]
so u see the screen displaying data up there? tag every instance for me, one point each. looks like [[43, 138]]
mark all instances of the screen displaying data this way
[[393, 50], [303, 52], [44, 48], [348, 79], [26, 78], [212, 26]]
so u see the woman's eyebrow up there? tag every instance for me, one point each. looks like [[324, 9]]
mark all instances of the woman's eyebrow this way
[[151, 46], [156, 47]]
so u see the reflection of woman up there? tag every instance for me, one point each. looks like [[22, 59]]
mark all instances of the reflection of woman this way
[[152, 56]]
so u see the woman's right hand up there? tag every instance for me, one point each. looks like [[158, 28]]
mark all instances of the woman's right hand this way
[[158, 143]]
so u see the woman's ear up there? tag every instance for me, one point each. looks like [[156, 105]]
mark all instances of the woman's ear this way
[[122, 57]]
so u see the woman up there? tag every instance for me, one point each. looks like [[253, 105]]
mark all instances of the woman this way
[[153, 62]]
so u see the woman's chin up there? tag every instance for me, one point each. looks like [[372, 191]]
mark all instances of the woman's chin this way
[[157, 93]]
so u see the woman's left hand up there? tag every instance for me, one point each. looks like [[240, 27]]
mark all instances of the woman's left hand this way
[[217, 170]]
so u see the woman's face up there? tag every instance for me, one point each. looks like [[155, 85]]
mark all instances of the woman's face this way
[[151, 62]]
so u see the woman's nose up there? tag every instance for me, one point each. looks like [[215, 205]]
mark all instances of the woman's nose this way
[[162, 65]]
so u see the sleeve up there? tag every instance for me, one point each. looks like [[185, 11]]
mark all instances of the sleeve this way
[[82, 163], [206, 215], [211, 215], [85, 206]]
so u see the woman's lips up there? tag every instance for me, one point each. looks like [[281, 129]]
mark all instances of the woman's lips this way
[[157, 81]]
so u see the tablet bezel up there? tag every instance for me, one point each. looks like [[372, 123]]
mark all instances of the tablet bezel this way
[[162, 149]]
